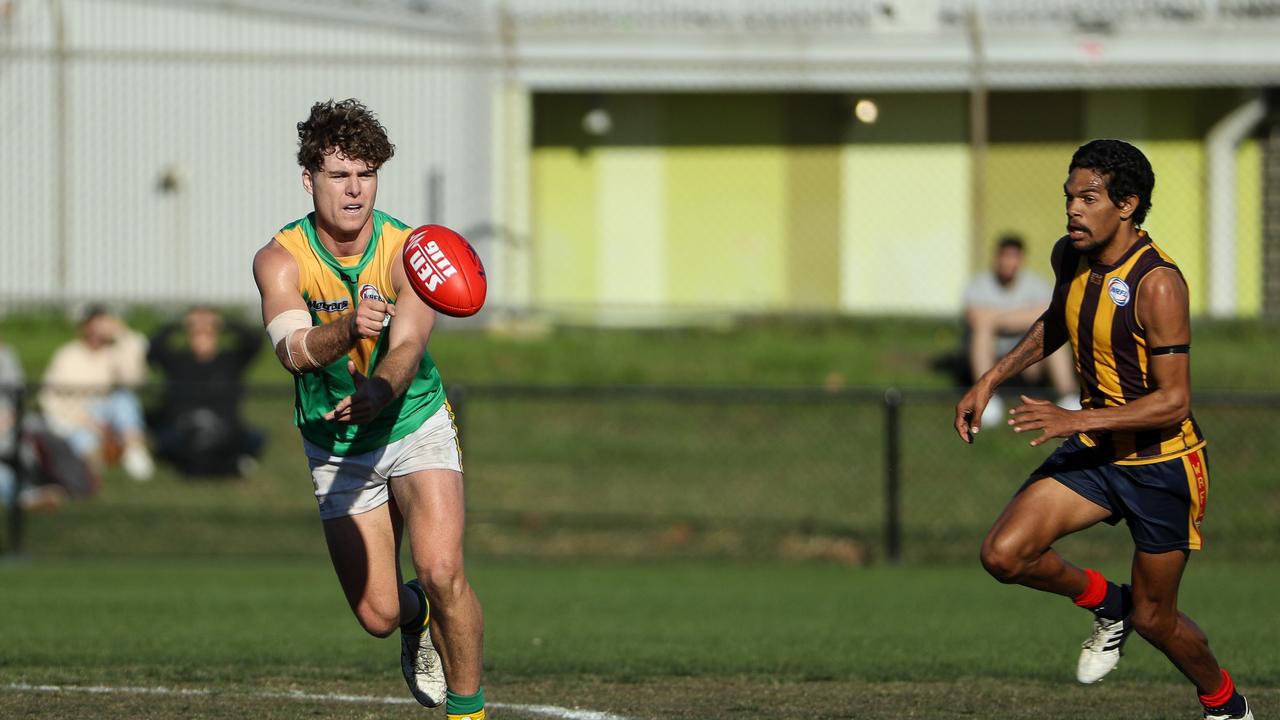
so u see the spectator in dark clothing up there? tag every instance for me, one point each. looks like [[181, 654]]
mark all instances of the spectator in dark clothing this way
[[198, 427]]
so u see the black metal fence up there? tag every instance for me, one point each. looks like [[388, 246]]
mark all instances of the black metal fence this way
[[13, 405], [844, 475]]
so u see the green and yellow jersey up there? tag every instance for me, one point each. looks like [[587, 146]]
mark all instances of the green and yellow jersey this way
[[1096, 304], [332, 287]]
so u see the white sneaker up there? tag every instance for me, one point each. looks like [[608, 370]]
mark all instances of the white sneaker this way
[[1247, 715], [246, 465], [138, 463], [1101, 652], [993, 413], [421, 665], [1069, 402]]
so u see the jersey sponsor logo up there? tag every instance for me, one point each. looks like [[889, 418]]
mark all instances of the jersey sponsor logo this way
[[369, 292], [1119, 291], [329, 306], [431, 266]]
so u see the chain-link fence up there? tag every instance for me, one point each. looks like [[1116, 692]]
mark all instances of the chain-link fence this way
[[848, 476], [842, 475]]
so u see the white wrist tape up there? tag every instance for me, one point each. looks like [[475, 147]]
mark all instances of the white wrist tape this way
[[284, 325], [305, 350]]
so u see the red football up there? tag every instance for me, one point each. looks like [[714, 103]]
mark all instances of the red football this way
[[445, 270]]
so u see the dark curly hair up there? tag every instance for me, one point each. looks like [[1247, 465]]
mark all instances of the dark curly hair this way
[[346, 125], [1124, 167]]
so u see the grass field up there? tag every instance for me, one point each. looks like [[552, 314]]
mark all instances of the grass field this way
[[787, 351], [642, 640], [646, 556]]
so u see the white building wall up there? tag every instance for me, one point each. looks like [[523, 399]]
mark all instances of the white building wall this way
[[209, 98]]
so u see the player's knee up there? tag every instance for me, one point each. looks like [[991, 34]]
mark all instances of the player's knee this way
[[443, 579], [1002, 561], [378, 620]]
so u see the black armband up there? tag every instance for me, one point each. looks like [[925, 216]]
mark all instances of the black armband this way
[[1171, 350]]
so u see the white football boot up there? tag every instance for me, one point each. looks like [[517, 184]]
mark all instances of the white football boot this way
[[1101, 652], [421, 663], [1246, 715]]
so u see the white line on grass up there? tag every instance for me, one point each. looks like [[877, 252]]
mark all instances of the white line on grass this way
[[551, 711]]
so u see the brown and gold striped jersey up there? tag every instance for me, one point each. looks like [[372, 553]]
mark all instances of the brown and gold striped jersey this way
[[1097, 305]]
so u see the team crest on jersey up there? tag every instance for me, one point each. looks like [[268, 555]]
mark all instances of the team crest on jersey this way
[[1119, 291], [369, 292]]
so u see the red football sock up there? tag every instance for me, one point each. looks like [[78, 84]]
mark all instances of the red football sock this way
[[1220, 697], [1093, 595]]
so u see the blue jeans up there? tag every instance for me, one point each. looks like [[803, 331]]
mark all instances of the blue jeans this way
[[121, 411]]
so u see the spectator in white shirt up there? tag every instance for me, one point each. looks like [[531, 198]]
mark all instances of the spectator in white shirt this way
[[89, 394]]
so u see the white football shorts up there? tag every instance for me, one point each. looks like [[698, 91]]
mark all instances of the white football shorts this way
[[354, 484]]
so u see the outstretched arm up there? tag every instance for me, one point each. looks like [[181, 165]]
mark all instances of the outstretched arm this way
[[1044, 337]]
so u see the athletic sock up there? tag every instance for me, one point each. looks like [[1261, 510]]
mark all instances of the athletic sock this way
[[464, 707], [1104, 598], [1225, 700], [419, 621]]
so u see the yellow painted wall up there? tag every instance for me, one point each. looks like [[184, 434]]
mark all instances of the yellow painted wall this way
[[814, 221], [725, 227], [1249, 228], [1177, 218], [631, 226], [1023, 196], [905, 232], [906, 207], [771, 202], [565, 227]]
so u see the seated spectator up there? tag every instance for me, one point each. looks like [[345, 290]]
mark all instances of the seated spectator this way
[[89, 393], [198, 426], [14, 486], [999, 306], [38, 469], [10, 385]]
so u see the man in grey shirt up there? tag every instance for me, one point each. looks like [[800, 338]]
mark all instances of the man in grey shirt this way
[[999, 305]]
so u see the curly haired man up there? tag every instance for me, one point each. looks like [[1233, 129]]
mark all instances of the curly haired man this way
[[377, 429], [1133, 451]]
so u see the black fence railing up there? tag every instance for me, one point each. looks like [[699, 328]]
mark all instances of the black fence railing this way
[[846, 475], [13, 401]]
